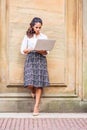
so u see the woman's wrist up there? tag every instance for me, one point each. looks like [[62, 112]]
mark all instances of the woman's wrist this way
[[43, 52]]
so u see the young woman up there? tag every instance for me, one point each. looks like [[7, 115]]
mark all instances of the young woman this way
[[35, 68]]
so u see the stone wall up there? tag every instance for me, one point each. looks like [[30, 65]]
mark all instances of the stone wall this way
[[63, 20]]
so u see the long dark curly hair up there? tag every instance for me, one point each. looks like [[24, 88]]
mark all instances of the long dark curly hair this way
[[30, 32]]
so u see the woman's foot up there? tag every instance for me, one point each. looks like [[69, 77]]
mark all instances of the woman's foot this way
[[33, 95], [36, 111]]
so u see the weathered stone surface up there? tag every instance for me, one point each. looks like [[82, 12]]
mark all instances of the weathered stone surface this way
[[51, 105], [85, 48]]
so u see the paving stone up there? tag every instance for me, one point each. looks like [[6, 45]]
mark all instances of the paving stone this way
[[46, 121]]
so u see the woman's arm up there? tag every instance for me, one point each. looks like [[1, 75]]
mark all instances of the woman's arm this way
[[26, 51], [24, 46]]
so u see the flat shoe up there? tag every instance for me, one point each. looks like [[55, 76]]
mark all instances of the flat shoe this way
[[35, 114]]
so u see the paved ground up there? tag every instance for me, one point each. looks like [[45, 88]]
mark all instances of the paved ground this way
[[45, 121]]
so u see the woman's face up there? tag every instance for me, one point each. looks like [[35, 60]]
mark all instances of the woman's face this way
[[37, 28]]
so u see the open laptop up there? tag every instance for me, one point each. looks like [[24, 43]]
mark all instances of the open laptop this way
[[44, 44]]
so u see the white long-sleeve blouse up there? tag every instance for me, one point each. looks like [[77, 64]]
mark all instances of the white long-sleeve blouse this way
[[30, 42]]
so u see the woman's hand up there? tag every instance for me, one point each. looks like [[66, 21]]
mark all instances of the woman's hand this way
[[43, 52], [26, 51]]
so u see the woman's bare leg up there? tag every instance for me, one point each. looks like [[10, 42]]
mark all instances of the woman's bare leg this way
[[38, 97], [32, 89]]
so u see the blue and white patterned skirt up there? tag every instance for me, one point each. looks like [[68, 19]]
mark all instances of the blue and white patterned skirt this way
[[35, 70]]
